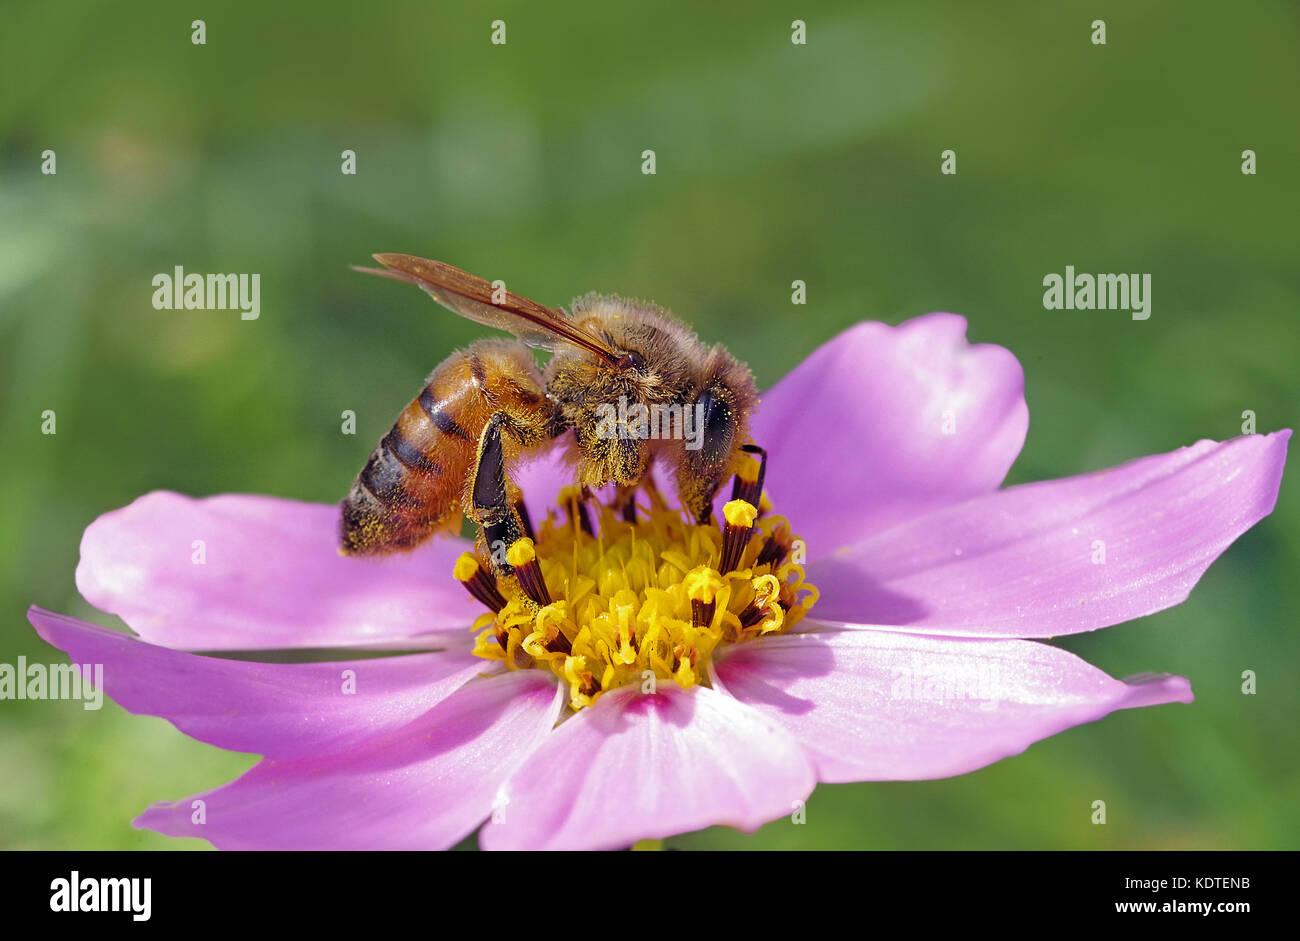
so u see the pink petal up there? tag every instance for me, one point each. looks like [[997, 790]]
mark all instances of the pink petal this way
[[424, 786], [856, 433], [541, 477], [272, 577], [637, 766], [1020, 562], [282, 710], [884, 706]]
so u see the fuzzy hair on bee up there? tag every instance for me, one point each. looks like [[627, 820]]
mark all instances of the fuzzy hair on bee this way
[[635, 386], [671, 369]]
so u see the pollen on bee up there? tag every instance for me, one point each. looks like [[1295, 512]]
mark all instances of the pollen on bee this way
[[599, 605]]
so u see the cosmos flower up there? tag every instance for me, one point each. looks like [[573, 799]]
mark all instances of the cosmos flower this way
[[884, 621]]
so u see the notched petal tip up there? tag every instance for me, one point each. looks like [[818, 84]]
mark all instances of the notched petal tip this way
[[1155, 689], [880, 706], [1060, 556]]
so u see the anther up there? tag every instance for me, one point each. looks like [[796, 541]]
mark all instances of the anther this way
[[522, 557], [748, 485], [702, 585], [776, 548], [559, 641], [660, 593], [478, 581], [739, 516], [766, 587]]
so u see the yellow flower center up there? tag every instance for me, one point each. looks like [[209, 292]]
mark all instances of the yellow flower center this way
[[639, 601]]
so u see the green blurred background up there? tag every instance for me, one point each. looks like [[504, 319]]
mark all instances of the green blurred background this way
[[775, 162]]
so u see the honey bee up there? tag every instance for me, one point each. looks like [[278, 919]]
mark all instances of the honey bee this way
[[486, 408]]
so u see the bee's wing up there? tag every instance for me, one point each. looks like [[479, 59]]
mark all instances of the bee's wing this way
[[471, 297]]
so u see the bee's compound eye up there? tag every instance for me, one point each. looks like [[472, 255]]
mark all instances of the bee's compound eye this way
[[631, 360], [718, 423]]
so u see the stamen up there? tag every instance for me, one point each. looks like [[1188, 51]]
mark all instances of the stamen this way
[[574, 500], [542, 636], [478, 581], [748, 485], [740, 516], [657, 501], [702, 585], [625, 503], [776, 548], [522, 557], [766, 587], [525, 524], [655, 595]]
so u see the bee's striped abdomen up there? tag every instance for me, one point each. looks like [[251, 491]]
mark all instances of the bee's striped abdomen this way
[[413, 484]]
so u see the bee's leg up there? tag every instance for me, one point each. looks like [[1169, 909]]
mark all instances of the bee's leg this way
[[490, 505], [500, 526]]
